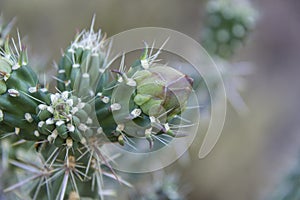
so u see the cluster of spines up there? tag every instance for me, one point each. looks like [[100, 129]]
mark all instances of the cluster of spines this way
[[83, 63], [64, 118]]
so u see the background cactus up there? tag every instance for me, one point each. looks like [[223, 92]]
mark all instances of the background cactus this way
[[227, 25], [226, 29]]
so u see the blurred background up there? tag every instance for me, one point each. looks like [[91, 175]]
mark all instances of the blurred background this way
[[257, 149]]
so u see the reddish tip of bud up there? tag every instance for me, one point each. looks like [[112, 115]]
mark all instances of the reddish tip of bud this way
[[190, 80]]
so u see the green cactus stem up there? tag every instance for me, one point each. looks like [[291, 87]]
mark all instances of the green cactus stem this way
[[89, 109], [20, 92], [83, 63]]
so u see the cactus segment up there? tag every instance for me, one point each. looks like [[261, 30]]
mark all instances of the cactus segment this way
[[83, 63], [18, 100], [141, 102], [92, 103]]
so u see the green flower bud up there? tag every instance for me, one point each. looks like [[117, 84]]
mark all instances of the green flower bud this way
[[162, 89]]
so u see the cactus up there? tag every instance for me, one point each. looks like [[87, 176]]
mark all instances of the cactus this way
[[227, 25], [226, 29], [60, 123], [52, 139], [19, 87], [83, 63], [69, 126]]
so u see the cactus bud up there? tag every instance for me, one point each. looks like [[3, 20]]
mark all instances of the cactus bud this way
[[161, 89]]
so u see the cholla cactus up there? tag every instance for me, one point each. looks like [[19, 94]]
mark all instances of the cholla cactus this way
[[5, 72], [70, 125], [83, 63], [227, 27], [60, 122], [19, 87], [228, 23]]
